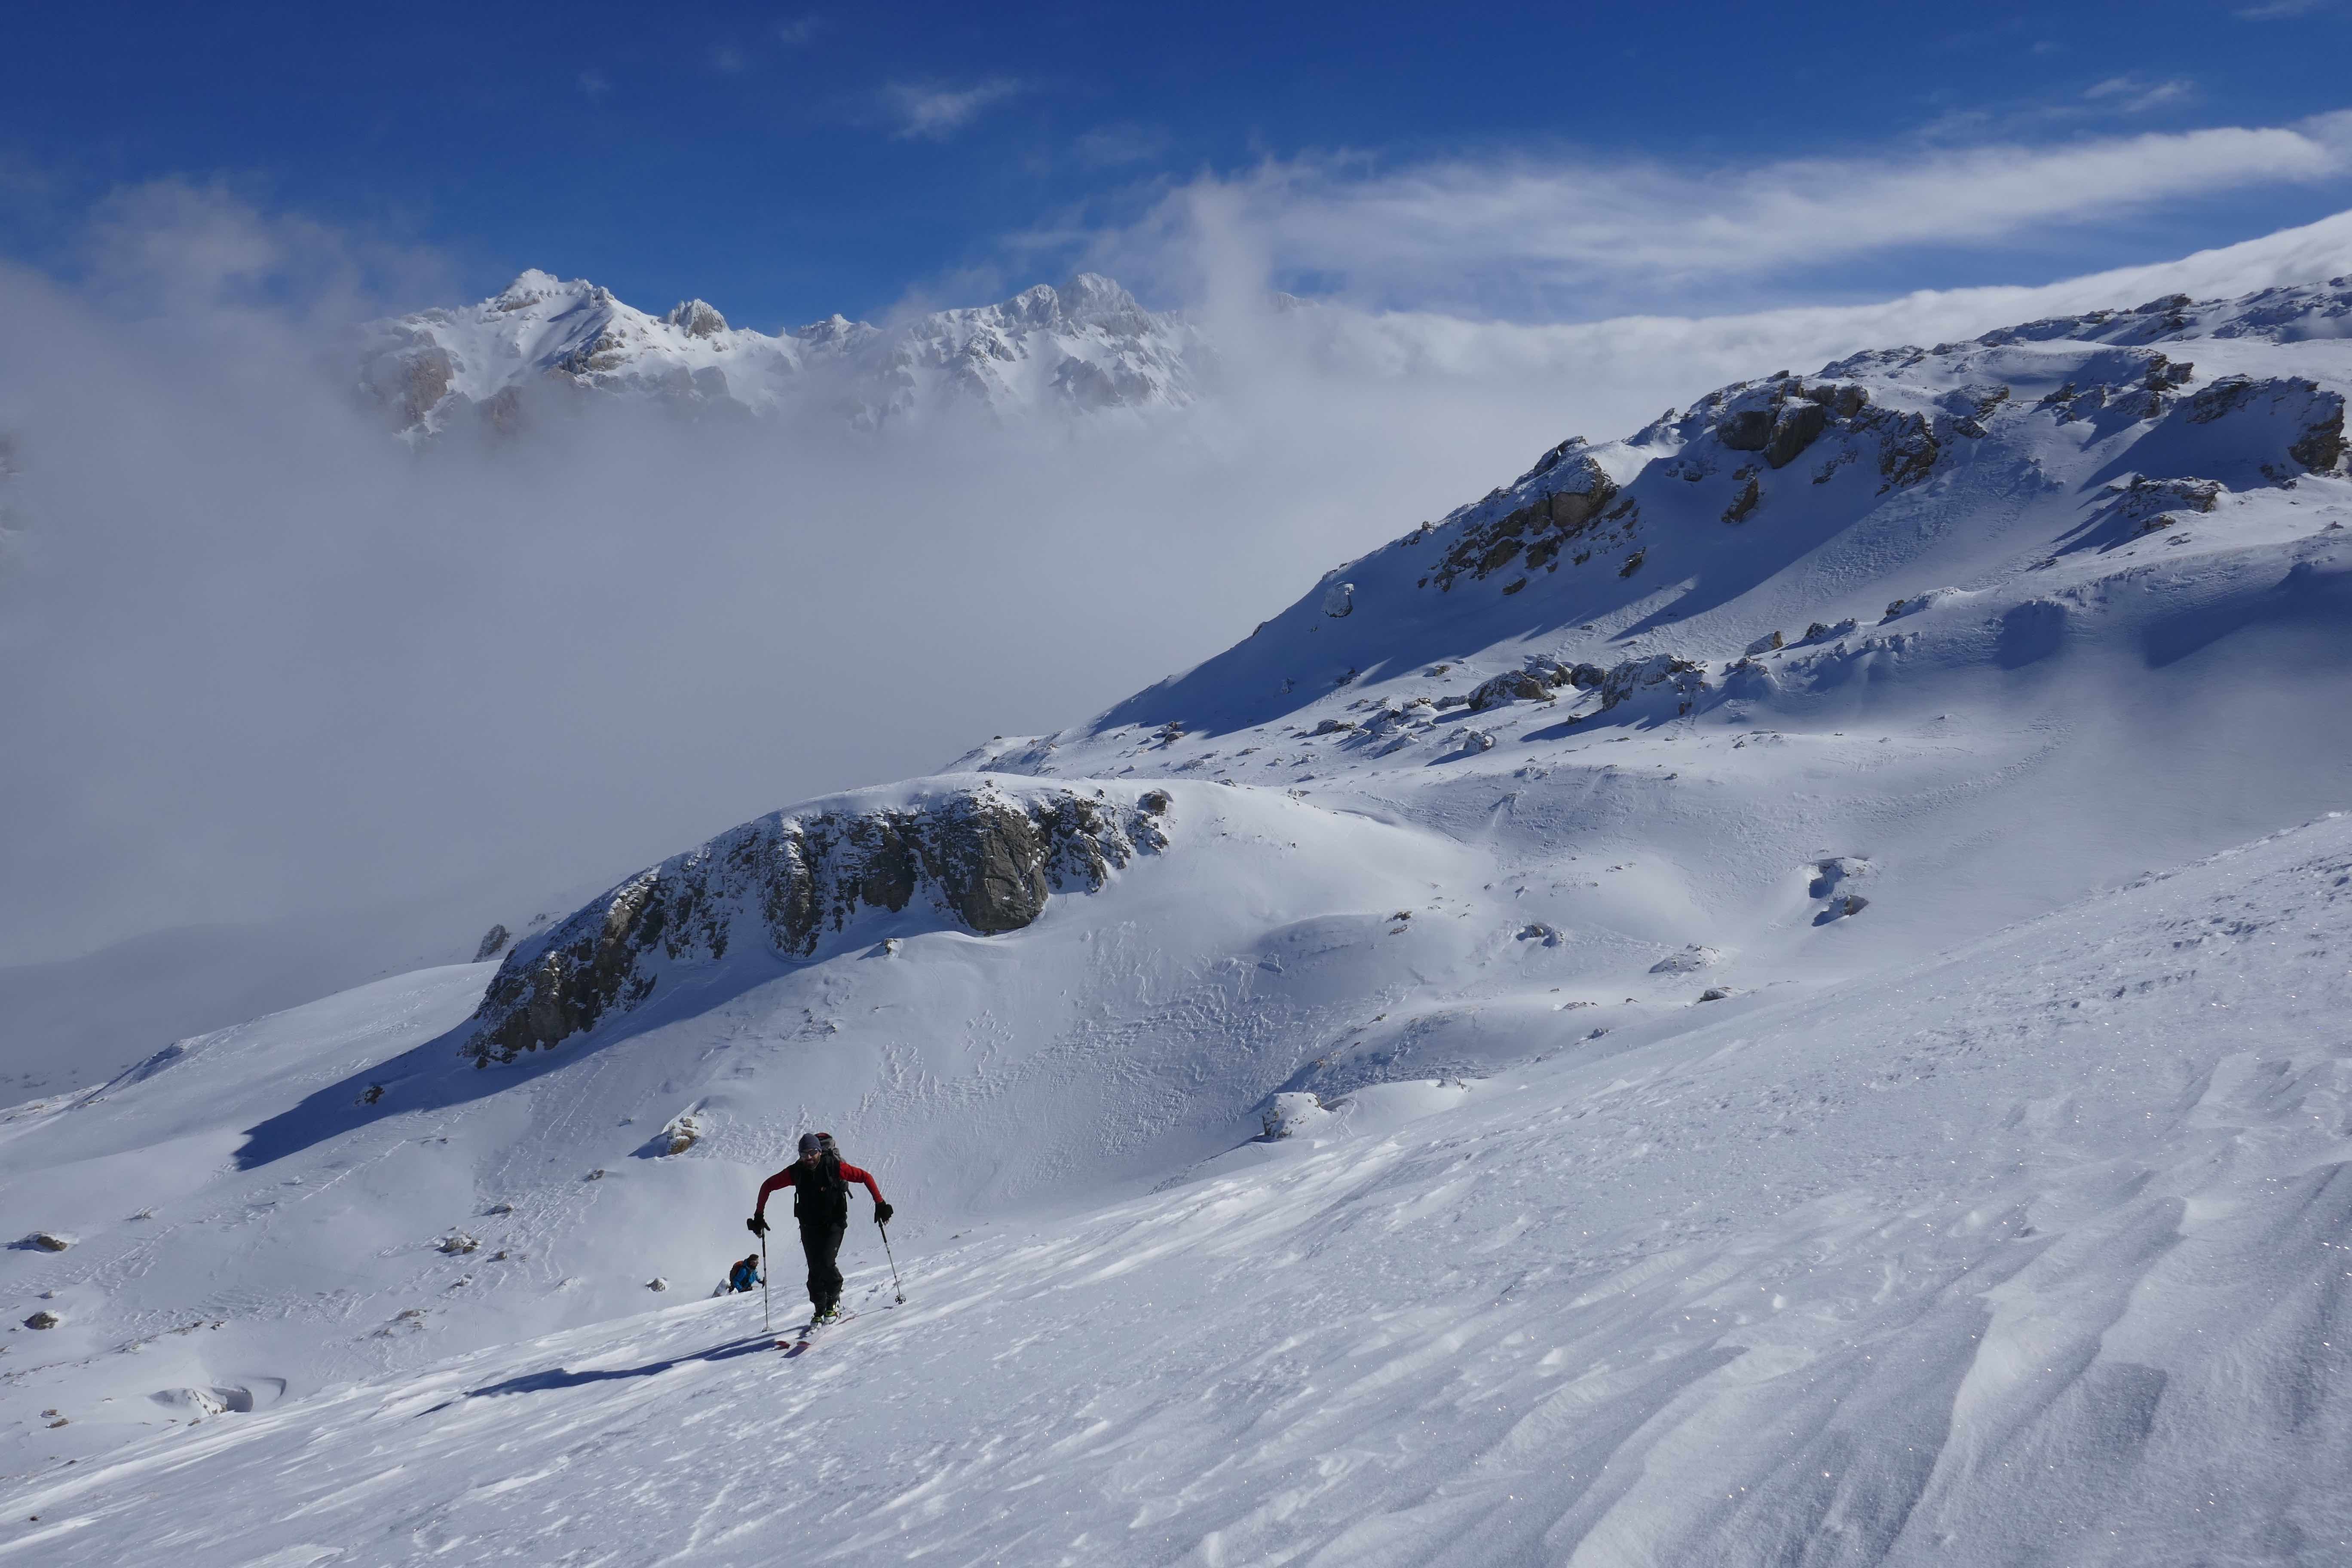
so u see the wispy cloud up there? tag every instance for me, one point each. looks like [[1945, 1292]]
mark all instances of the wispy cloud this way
[[794, 31], [934, 113], [2278, 10], [2131, 95], [1106, 146], [728, 60], [1461, 231], [593, 83]]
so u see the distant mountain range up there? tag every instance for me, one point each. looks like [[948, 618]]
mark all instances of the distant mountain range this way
[[1087, 347]]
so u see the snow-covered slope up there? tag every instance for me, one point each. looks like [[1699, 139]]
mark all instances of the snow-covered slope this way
[[1085, 347], [1691, 910], [2035, 1254]]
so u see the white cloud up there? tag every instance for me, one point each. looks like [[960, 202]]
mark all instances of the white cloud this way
[[934, 113], [593, 83], [794, 31], [265, 662], [1525, 235], [2129, 95]]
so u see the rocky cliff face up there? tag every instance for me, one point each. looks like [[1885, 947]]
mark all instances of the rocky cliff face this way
[[975, 856]]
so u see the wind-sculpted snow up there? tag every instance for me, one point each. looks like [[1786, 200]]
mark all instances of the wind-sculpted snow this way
[[978, 855], [2041, 1253], [1084, 348]]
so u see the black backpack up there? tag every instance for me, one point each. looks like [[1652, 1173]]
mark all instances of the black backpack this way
[[824, 1198]]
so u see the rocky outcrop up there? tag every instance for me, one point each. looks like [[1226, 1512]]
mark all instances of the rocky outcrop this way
[[409, 382], [979, 857], [1565, 495], [1786, 416], [1908, 449], [697, 319], [1684, 679]]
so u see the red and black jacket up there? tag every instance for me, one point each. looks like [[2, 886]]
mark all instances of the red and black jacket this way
[[820, 1194]]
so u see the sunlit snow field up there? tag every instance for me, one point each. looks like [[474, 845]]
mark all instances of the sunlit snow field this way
[[1853, 1076]]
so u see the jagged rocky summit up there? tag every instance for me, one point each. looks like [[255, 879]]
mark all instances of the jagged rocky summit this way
[[976, 854], [1084, 348]]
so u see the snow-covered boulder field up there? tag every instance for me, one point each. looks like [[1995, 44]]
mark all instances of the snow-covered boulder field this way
[[1771, 991]]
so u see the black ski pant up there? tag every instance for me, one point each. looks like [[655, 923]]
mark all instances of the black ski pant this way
[[821, 1242]]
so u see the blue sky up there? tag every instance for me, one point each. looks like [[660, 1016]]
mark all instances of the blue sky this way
[[787, 161]]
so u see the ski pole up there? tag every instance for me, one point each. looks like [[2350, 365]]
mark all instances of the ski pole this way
[[765, 1326], [895, 1288]]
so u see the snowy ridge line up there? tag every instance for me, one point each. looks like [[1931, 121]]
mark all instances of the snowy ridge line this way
[[1658, 538], [1085, 349]]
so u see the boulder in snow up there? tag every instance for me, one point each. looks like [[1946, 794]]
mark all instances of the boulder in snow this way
[[44, 1319], [45, 1241], [1293, 1112], [1339, 600], [1692, 957]]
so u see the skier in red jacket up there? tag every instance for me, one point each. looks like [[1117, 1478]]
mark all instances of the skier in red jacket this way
[[820, 1183]]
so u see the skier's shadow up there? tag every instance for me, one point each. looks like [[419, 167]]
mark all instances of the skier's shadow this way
[[547, 1382]]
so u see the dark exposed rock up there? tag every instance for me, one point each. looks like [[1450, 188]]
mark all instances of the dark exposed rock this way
[[1744, 503], [1798, 426], [1562, 498], [1686, 678], [1747, 431], [984, 859], [2321, 446], [493, 942], [1907, 451], [1530, 685]]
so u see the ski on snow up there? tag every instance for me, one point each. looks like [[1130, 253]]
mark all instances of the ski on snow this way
[[794, 1344]]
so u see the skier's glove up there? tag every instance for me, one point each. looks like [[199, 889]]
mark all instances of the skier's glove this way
[[756, 1226], [882, 1212]]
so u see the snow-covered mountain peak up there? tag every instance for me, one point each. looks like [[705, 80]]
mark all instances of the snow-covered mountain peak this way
[[696, 318], [1086, 347]]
